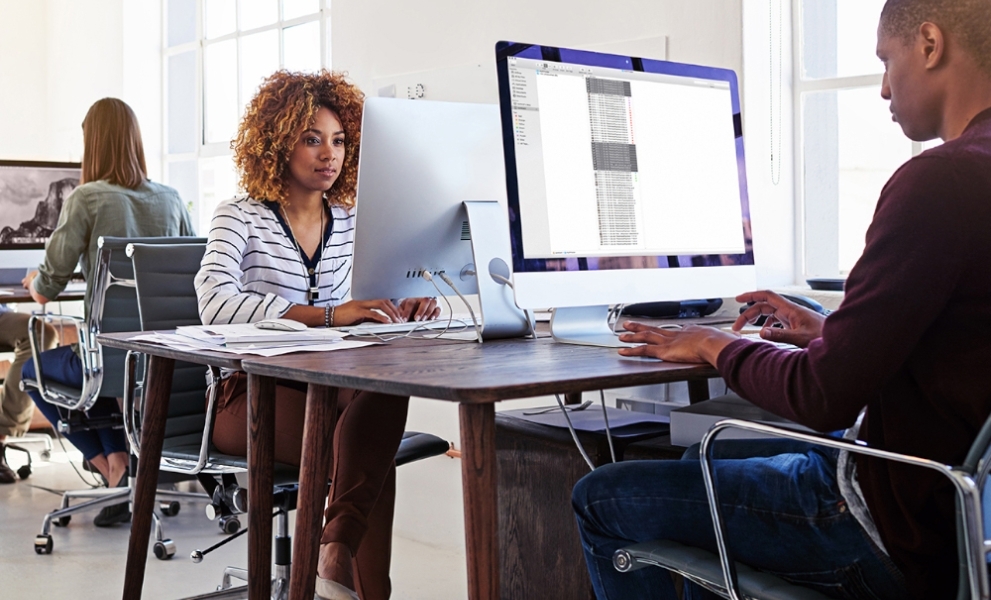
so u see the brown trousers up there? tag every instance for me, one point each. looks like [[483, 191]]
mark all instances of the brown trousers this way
[[362, 495]]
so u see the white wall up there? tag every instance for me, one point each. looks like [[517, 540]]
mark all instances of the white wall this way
[[57, 57]]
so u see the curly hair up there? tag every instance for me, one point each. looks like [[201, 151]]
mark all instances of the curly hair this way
[[286, 105]]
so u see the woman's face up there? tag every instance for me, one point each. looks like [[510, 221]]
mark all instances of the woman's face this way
[[316, 160]]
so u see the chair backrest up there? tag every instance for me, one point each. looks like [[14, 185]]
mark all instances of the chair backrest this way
[[166, 299], [114, 304]]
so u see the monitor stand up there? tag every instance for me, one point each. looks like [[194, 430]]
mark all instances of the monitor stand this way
[[501, 318], [584, 325]]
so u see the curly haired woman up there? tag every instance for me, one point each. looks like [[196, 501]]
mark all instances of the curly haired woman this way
[[284, 250]]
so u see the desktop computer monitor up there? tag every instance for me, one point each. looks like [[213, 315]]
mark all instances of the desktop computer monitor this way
[[626, 183], [420, 163], [31, 197]]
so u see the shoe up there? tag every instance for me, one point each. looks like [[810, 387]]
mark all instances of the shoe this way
[[331, 590], [115, 513], [7, 474]]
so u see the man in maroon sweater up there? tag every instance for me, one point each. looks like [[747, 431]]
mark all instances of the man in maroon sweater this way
[[911, 343]]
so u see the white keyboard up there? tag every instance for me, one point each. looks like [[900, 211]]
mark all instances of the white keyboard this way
[[391, 328]]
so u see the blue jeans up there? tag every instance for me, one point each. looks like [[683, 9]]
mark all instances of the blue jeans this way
[[783, 512], [63, 366]]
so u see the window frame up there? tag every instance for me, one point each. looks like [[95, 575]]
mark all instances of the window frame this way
[[204, 150], [818, 257]]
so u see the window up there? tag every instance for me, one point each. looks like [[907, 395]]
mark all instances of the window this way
[[847, 145], [217, 53]]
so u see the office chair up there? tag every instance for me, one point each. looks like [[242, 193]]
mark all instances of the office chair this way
[[722, 575], [166, 299], [113, 307]]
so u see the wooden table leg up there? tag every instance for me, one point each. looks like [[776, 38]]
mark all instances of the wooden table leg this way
[[261, 460], [318, 444], [478, 477], [158, 388]]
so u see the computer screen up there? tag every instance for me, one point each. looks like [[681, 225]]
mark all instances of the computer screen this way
[[31, 197], [626, 178]]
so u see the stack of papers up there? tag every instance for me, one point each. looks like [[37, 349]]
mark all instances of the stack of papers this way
[[247, 339], [246, 334]]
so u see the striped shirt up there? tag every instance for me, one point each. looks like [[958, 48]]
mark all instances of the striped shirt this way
[[253, 271]]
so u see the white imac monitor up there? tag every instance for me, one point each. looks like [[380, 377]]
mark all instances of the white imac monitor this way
[[626, 183], [31, 198]]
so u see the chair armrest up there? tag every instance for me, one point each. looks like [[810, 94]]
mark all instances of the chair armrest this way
[[61, 395], [968, 496]]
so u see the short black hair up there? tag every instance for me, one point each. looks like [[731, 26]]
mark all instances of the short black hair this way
[[967, 20]]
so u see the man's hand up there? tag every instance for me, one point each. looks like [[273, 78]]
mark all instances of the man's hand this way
[[419, 309], [27, 283], [799, 325], [691, 344]]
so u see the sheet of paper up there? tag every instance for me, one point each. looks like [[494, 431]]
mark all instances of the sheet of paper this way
[[178, 342]]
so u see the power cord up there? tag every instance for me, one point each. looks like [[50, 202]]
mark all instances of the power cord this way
[[574, 435], [447, 280], [605, 416]]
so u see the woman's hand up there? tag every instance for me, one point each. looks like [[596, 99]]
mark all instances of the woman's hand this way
[[27, 281], [799, 325], [419, 309], [359, 311], [692, 344]]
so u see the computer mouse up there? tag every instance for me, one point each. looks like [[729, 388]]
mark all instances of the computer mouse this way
[[280, 325]]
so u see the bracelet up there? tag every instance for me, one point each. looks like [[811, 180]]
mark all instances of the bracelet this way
[[328, 316]]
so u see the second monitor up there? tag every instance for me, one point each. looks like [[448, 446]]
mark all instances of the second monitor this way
[[626, 183]]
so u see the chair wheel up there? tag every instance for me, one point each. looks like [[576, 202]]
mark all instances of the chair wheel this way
[[164, 549], [229, 524], [24, 471], [45, 455], [62, 521], [169, 509], [43, 544]]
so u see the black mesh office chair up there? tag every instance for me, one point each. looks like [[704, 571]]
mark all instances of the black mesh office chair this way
[[722, 575], [113, 307], [166, 299]]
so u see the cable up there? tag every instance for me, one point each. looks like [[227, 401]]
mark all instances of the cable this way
[[526, 313], [574, 435], [605, 416], [447, 280]]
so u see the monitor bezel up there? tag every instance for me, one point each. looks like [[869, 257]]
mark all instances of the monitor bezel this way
[[506, 50], [35, 164]]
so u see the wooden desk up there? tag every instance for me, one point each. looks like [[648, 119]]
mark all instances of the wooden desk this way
[[14, 294], [474, 375], [158, 386]]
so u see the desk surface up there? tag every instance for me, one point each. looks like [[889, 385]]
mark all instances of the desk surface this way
[[469, 372], [13, 294]]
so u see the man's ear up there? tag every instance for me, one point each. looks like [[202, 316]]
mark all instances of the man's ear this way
[[932, 44]]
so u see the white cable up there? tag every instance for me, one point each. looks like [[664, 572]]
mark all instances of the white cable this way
[[605, 416], [447, 280], [574, 435]]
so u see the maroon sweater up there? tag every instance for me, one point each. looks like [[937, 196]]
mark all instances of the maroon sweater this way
[[911, 342]]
